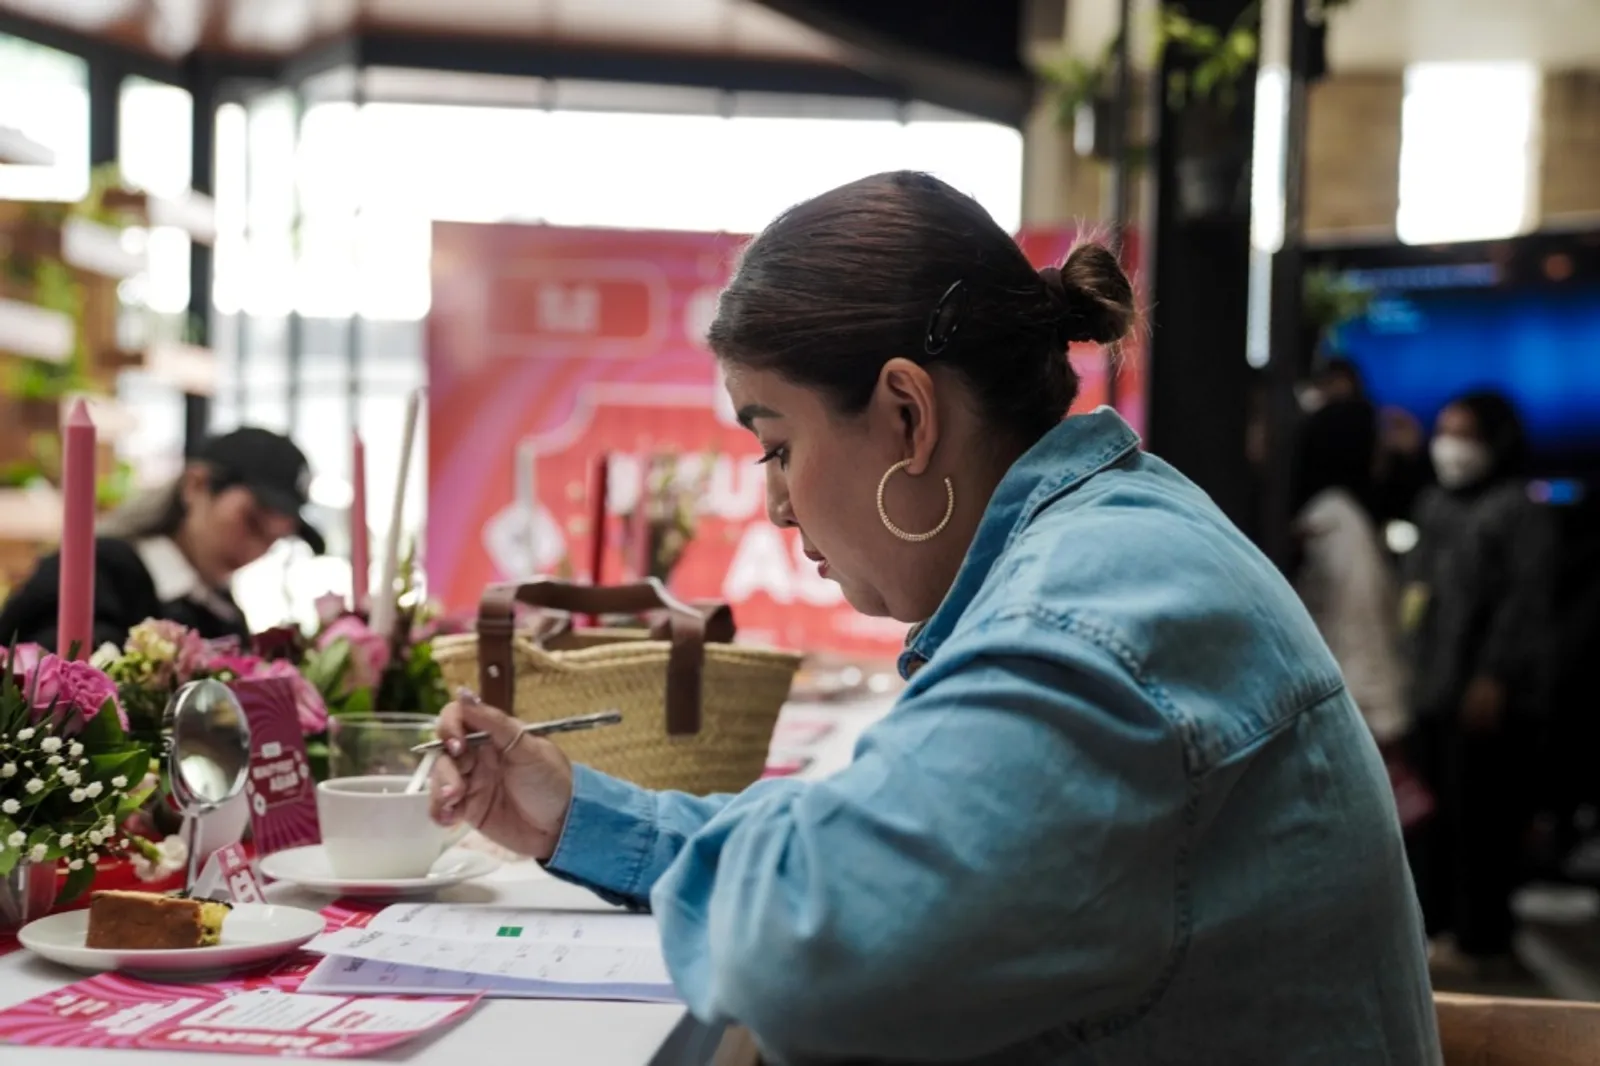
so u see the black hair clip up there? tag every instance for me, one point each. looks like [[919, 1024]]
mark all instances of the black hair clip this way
[[945, 321]]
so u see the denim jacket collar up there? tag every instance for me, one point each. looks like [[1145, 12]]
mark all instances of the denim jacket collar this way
[[1069, 454]]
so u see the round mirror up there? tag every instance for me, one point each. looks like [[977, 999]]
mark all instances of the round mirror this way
[[210, 755]]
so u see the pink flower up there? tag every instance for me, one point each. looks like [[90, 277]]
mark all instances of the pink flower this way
[[177, 650], [369, 652], [234, 662], [68, 687], [27, 660], [330, 608], [308, 705]]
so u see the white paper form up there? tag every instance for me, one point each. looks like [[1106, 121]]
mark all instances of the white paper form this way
[[500, 951], [462, 922], [346, 976]]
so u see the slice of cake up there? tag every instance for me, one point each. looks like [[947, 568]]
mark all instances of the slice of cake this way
[[139, 921]]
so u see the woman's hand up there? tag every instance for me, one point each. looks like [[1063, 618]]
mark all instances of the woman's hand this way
[[515, 789]]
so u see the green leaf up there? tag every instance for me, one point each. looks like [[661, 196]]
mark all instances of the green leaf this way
[[132, 802], [9, 858], [103, 731], [77, 883]]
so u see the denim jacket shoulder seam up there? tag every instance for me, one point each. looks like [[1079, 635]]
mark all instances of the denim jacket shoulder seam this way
[[1105, 638]]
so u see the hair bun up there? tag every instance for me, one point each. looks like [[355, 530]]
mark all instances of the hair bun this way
[[1092, 296]]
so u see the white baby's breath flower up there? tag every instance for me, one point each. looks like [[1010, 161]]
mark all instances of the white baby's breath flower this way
[[119, 782], [75, 750], [93, 859], [50, 745], [38, 853], [94, 789], [17, 839], [66, 840], [174, 853], [33, 787], [70, 777], [96, 837], [77, 795], [75, 864], [54, 760], [8, 770], [25, 734], [10, 807]]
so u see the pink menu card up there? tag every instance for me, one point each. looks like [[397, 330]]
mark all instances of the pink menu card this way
[[255, 1014], [282, 794]]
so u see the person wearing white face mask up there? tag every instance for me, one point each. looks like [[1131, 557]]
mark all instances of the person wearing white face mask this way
[[1475, 613]]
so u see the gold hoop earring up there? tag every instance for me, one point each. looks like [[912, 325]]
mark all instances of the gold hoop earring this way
[[914, 538]]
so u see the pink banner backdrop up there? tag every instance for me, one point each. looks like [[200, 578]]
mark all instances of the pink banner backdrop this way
[[566, 343], [280, 789]]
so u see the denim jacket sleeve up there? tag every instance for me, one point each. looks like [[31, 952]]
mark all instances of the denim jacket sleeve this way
[[1002, 858]]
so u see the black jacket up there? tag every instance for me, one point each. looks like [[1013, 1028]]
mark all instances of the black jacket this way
[[124, 596]]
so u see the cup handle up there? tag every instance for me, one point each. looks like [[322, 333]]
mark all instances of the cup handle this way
[[457, 833]]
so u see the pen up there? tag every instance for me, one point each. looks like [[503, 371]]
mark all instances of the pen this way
[[537, 729]]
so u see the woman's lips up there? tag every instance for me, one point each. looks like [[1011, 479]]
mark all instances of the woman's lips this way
[[817, 557]]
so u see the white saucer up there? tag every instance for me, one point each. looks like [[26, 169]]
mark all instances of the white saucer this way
[[253, 933], [309, 868]]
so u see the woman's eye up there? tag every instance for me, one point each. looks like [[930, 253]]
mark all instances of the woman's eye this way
[[779, 452]]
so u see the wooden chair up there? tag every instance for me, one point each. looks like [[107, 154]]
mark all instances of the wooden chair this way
[[1492, 1031], [1474, 1030]]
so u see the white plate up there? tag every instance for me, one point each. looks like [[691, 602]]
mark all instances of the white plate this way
[[253, 933], [309, 868]]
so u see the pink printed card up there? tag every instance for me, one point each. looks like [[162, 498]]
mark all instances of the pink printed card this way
[[259, 1013], [109, 1011], [283, 796]]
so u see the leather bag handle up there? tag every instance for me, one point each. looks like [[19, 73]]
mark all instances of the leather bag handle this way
[[687, 627]]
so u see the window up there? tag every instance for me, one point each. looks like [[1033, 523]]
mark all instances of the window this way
[[45, 95], [1468, 151]]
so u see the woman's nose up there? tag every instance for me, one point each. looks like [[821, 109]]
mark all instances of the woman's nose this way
[[778, 510]]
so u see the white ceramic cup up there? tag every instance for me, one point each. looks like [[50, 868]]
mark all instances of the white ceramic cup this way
[[373, 830]]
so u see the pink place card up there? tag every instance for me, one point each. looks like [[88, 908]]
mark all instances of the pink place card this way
[[283, 796], [113, 1012]]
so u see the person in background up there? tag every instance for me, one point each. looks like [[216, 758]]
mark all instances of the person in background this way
[[1125, 809], [171, 553], [1344, 576], [1475, 615], [1400, 470]]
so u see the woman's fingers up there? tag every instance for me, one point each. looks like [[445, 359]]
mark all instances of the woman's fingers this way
[[447, 788], [504, 730]]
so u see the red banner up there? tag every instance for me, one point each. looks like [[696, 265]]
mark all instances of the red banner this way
[[556, 345]]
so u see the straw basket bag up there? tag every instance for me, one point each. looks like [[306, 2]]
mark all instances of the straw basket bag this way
[[697, 710]]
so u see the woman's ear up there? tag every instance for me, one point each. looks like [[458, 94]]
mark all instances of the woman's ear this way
[[906, 393], [195, 482]]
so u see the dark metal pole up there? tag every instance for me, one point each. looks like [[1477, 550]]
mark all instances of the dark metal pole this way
[[1288, 267], [105, 109]]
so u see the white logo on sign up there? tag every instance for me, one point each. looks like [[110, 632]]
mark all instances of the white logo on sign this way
[[569, 308]]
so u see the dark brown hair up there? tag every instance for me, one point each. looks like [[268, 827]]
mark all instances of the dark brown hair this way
[[901, 264]]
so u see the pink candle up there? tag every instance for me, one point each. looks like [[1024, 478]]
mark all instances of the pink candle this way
[[360, 559], [75, 609]]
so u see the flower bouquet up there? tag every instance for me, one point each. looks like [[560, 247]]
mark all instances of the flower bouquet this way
[[69, 776]]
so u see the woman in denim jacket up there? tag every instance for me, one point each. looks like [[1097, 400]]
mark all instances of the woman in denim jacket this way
[[1125, 810]]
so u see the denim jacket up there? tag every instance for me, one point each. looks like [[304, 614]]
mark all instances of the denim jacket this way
[[1124, 812]]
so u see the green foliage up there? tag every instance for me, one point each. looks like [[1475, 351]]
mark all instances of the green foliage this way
[[1219, 59], [1329, 301]]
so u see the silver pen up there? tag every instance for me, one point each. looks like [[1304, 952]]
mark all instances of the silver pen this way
[[537, 729]]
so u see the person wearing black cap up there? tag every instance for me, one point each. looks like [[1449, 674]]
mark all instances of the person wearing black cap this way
[[172, 553]]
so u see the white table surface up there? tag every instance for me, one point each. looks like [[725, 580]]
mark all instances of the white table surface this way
[[557, 1032]]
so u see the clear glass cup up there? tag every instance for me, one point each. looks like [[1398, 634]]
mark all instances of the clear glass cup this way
[[380, 743]]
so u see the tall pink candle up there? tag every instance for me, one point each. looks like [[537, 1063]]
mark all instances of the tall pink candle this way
[[360, 548], [75, 609]]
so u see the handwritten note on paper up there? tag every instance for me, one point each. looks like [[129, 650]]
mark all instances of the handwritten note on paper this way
[[510, 952]]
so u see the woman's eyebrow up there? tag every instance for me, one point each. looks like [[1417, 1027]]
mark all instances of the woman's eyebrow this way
[[752, 411]]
